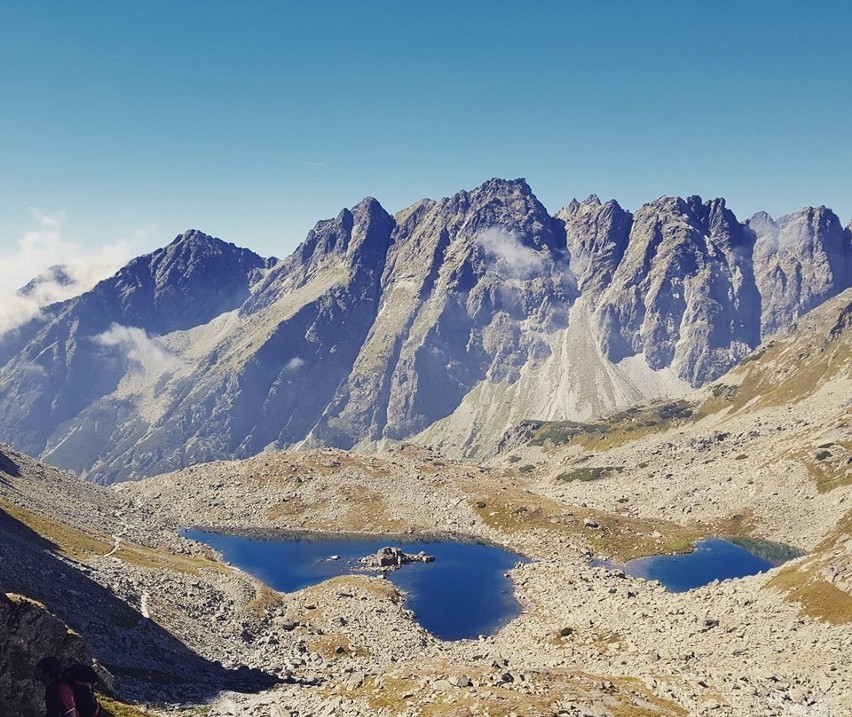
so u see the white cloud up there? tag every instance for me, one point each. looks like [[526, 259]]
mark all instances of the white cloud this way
[[509, 255], [45, 247], [294, 364], [147, 355]]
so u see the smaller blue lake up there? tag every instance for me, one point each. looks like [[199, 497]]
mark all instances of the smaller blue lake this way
[[463, 594], [712, 559]]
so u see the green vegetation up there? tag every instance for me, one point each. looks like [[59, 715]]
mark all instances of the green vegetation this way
[[528, 468], [588, 474], [615, 430], [122, 709], [561, 432]]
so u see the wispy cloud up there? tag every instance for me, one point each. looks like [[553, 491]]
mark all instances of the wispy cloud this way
[[45, 247], [146, 355], [294, 364], [509, 255]]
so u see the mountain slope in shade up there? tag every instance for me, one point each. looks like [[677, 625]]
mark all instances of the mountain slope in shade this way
[[447, 323]]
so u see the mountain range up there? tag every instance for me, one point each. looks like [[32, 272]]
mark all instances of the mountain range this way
[[444, 324]]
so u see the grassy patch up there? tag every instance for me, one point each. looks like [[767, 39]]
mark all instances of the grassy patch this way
[[559, 433], [781, 374], [805, 585], [335, 646], [71, 542], [82, 545], [549, 693], [512, 510], [588, 474], [818, 598], [264, 600], [121, 709], [617, 429], [155, 559], [355, 507]]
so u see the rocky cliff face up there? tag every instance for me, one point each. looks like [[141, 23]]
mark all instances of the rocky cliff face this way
[[471, 283], [683, 294], [77, 352], [800, 260], [446, 324]]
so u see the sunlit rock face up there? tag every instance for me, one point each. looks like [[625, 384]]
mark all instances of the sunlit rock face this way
[[471, 287], [800, 260], [445, 324]]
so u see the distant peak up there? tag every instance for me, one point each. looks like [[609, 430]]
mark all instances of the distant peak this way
[[496, 184], [191, 236], [371, 207]]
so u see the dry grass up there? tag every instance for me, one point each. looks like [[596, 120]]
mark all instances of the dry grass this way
[[623, 697], [82, 545], [71, 542], [353, 507], [512, 510], [827, 471], [264, 600], [333, 646], [818, 598], [783, 374], [155, 559], [805, 585]]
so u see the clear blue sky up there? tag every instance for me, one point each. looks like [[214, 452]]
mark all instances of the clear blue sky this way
[[251, 120]]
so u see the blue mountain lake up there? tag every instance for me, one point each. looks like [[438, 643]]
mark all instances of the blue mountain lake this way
[[463, 594], [712, 559]]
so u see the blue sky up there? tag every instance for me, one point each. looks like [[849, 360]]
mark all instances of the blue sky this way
[[125, 123]]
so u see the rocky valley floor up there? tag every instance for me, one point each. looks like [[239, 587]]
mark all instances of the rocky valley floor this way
[[765, 452]]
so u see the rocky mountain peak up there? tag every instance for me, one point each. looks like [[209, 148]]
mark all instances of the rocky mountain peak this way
[[56, 274], [443, 322], [186, 283], [357, 236]]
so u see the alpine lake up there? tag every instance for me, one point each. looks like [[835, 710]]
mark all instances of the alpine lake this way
[[464, 593], [712, 559]]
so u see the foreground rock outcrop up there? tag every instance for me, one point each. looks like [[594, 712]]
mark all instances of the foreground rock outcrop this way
[[29, 633]]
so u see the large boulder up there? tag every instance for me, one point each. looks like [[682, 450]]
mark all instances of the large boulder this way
[[28, 632]]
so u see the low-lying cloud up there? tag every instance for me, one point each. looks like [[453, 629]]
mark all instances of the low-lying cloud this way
[[63, 269], [294, 364], [509, 255], [146, 355]]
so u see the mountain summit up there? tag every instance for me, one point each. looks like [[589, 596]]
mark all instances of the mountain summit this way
[[444, 324]]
